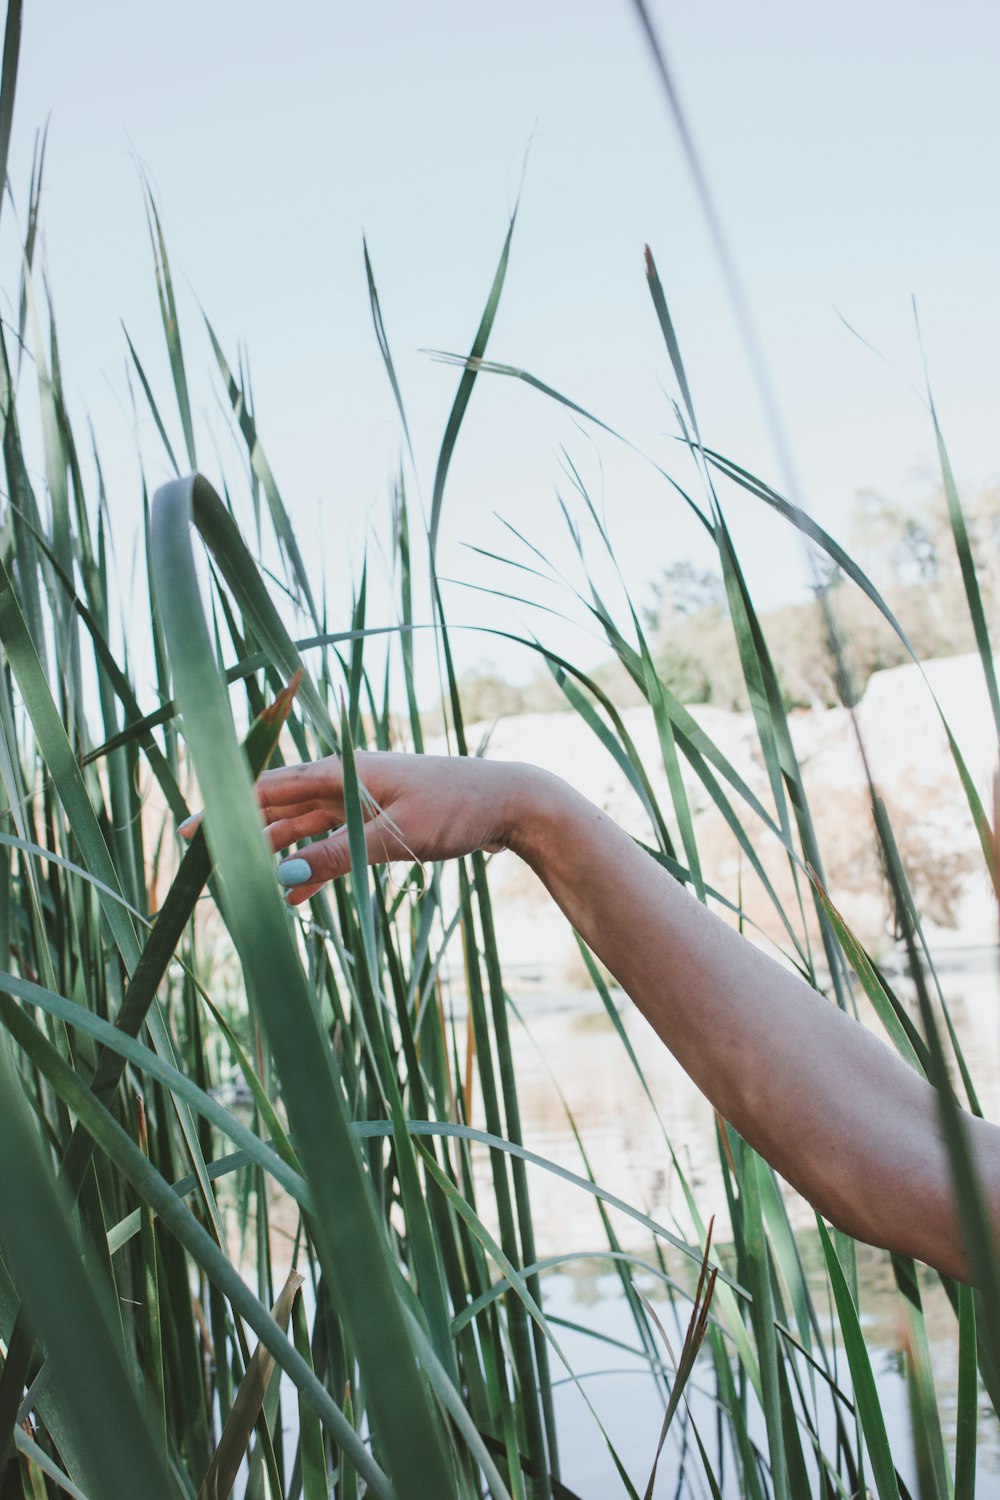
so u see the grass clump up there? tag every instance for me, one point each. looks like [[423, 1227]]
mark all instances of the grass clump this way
[[141, 1334]]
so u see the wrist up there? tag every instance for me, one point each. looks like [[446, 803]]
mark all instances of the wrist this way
[[537, 806]]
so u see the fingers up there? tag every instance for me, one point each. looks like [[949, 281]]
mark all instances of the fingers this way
[[290, 791], [308, 870], [301, 802], [287, 811], [277, 800], [298, 825], [312, 781], [274, 816]]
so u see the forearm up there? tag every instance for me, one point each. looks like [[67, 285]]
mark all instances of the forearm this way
[[835, 1111], [828, 1104]]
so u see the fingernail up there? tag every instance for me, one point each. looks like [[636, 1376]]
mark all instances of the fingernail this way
[[294, 872], [188, 825]]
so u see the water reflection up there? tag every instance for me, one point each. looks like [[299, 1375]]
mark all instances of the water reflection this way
[[623, 1393], [569, 1062]]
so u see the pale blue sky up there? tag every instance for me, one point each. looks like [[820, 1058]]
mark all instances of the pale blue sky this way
[[854, 153]]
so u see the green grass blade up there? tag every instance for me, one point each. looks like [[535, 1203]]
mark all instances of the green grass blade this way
[[61, 762], [866, 1396], [518, 1285], [383, 345], [151, 400], [809, 528], [24, 512], [366, 1128], [165, 1202], [151, 1316], [179, 1084], [464, 393], [350, 1243], [670, 338], [967, 1414], [311, 1450], [31, 235], [107, 1420], [671, 765], [262, 470], [248, 1405], [451, 1401], [900, 1030], [171, 326], [8, 84], [221, 535], [762, 1314], [41, 1459], [967, 564], [426, 1262], [933, 1472], [141, 993], [113, 676], [126, 1229]]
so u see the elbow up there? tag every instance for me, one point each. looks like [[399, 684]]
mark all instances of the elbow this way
[[907, 1207], [918, 1219], [942, 1251]]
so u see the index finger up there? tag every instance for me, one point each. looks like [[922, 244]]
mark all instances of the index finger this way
[[286, 785]]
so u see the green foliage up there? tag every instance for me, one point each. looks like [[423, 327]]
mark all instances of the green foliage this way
[[695, 650], [136, 1247]]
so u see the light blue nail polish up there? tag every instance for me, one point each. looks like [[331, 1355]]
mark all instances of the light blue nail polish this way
[[187, 824], [294, 872]]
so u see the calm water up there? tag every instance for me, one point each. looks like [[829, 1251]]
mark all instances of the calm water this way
[[621, 1390], [568, 1059], [571, 1050]]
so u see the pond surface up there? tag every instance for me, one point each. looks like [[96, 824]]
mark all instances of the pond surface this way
[[570, 1062], [568, 1058]]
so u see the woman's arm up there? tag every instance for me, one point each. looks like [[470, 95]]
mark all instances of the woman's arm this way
[[834, 1110], [829, 1105]]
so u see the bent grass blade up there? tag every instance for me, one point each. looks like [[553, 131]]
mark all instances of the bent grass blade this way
[[407, 1429]]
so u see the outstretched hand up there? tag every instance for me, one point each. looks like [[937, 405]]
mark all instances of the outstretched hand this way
[[769, 1052], [424, 807]]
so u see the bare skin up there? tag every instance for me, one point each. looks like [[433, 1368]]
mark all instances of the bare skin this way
[[834, 1110]]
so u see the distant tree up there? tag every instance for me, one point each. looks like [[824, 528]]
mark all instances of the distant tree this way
[[485, 694], [683, 590], [908, 552], [911, 556], [886, 533], [488, 695]]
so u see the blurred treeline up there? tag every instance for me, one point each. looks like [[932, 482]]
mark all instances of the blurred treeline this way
[[906, 548]]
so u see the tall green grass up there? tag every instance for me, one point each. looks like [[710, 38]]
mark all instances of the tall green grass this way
[[145, 1318]]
